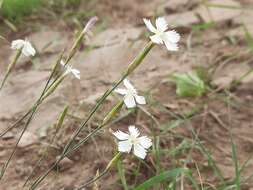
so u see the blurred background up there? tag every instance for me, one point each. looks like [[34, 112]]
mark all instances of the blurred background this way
[[216, 48]]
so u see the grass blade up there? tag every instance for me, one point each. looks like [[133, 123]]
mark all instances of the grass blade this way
[[161, 177], [121, 172], [235, 160]]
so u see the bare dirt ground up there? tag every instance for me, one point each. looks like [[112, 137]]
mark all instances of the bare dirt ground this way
[[222, 48]]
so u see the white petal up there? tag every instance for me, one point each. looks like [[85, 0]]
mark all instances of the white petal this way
[[129, 101], [171, 36], [17, 44], [76, 73], [140, 99], [121, 91], [124, 146], [139, 151], [161, 24], [149, 25], [128, 85], [145, 142], [121, 135], [171, 46], [28, 50], [156, 39], [62, 63], [134, 132]]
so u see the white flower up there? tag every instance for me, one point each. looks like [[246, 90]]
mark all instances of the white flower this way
[[130, 95], [25, 46], [69, 69], [169, 38], [127, 141]]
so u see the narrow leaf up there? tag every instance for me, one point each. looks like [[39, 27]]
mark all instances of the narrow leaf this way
[[161, 177]]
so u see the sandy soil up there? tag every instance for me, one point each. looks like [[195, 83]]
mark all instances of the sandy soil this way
[[222, 48]]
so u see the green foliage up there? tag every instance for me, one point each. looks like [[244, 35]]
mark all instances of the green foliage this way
[[189, 84], [14, 9]]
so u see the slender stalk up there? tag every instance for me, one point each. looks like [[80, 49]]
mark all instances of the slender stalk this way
[[51, 141], [245, 75], [39, 101], [15, 124], [132, 66], [33, 110], [107, 169], [48, 89], [121, 172], [108, 117], [16, 145], [10, 67], [136, 62], [79, 39]]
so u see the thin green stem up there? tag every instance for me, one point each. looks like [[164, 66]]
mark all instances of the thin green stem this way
[[39, 101], [51, 141], [68, 151], [132, 66], [33, 110], [10, 67], [107, 169]]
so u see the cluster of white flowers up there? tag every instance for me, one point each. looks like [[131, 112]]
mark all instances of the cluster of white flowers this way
[[127, 141], [131, 140]]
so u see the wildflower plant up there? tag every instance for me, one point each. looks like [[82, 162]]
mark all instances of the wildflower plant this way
[[131, 141]]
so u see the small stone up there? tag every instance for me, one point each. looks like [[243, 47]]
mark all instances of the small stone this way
[[65, 164]]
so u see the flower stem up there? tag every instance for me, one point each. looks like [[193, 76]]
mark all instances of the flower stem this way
[[51, 141], [112, 163], [39, 101], [132, 66], [79, 39], [32, 111], [10, 67]]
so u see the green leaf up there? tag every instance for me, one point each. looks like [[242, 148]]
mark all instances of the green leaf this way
[[161, 177], [235, 160], [189, 85]]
